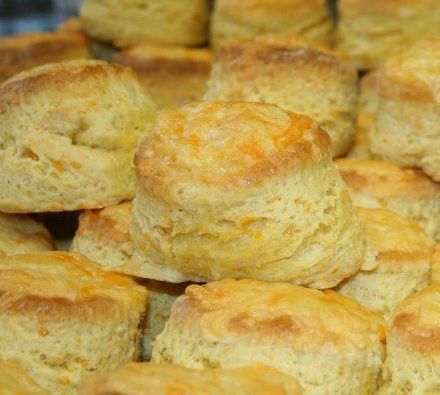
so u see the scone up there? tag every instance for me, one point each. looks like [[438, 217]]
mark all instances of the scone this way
[[435, 269], [408, 192], [14, 381], [62, 318], [169, 22], [407, 127], [241, 190], [104, 237], [68, 133], [402, 252], [370, 31], [331, 344], [412, 364], [26, 51], [366, 114], [142, 379], [297, 76], [233, 19], [173, 75], [20, 234]]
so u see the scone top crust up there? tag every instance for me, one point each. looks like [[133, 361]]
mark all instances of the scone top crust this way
[[150, 379], [359, 6], [61, 281], [394, 242], [14, 381], [416, 71], [273, 50], [416, 321], [435, 272], [254, 11], [225, 145], [260, 311], [151, 57], [386, 180]]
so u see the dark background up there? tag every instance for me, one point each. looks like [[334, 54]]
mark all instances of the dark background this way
[[18, 16]]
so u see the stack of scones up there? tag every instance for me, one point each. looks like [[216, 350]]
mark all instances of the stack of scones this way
[[255, 188]]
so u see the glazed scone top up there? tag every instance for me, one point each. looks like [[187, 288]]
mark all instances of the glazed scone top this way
[[226, 145], [149, 379], [274, 49], [71, 278], [417, 69], [302, 317], [386, 180], [394, 242], [14, 381], [416, 321]]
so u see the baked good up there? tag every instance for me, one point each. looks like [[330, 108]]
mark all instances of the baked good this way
[[435, 269], [407, 125], [401, 252], [408, 192], [169, 22], [217, 200], [26, 51], [146, 379], [68, 133], [370, 31], [14, 381], [331, 344], [104, 235], [172, 75], [297, 76], [71, 25], [233, 19], [20, 234], [366, 114], [161, 296], [62, 318], [412, 364]]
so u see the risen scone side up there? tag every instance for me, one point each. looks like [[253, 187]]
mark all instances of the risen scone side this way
[[407, 125], [21, 234], [146, 379], [68, 133], [412, 364], [401, 253], [14, 381], [241, 190], [369, 32], [168, 22], [63, 318], [26, 51], [297, 76], [329, 343], [248, 18], [385, 185]]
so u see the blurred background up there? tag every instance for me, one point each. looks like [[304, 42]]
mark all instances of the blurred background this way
[[19, 16]]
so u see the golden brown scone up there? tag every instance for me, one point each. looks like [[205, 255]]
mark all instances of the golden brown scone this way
[[147, 379], [20, 234], [297, 76], [401, 252], [233, 19], [173, 75], [331, 344], [26, 51], [408, 192], [407, 127], [366, 115], [241, 190], [14, 381], [104, 235], [68, 133], [63, 318], [131, 22], [370, 31], [412, 364], [435, 269]]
